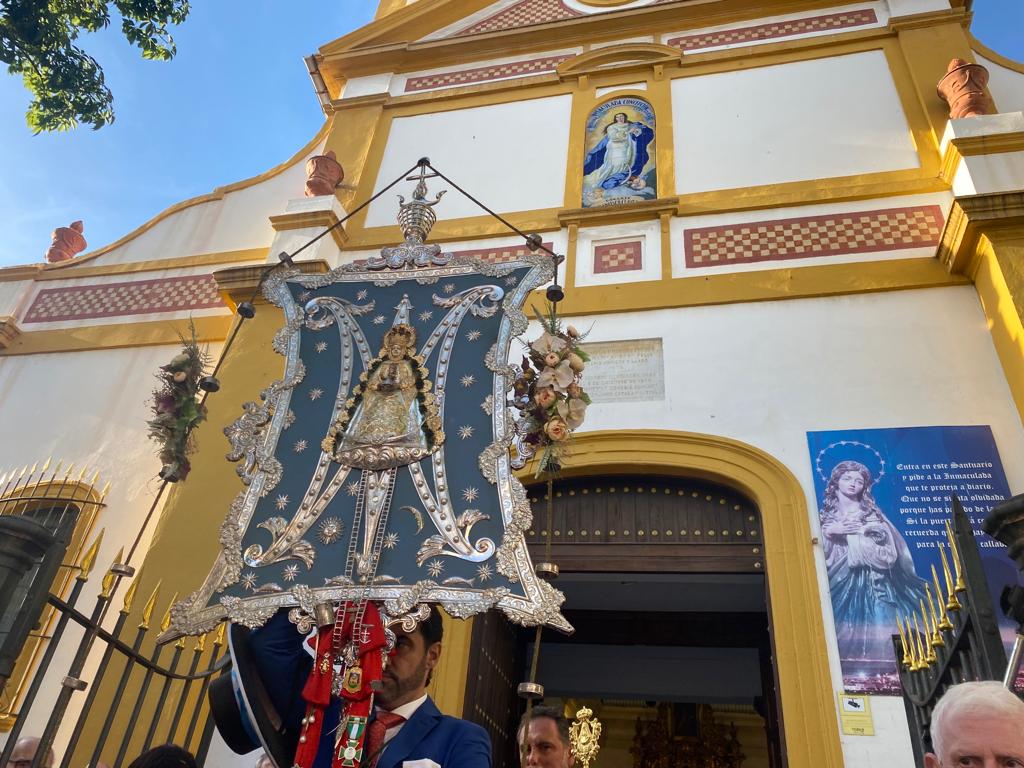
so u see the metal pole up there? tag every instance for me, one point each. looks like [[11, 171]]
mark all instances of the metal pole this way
[[83, 716], [186, 685], [71, 681], [1013, 665], [37, 680], [140, 701], [218, 641]]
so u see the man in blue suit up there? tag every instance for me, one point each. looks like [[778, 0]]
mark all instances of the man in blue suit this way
[[260, 705], [414, 733]]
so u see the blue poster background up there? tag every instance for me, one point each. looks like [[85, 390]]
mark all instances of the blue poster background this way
[[881, 540]]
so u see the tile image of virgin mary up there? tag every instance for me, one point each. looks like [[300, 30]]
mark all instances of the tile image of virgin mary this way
[[614, 167], [871, 575]]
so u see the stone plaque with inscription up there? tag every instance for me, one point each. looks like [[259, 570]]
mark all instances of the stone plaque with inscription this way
[[625, 371]]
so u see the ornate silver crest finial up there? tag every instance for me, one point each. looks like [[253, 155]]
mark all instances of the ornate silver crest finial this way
[[415, 218]]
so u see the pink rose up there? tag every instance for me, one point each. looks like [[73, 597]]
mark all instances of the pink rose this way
[[180, 376], [557, 430], [571, 330], [551, 359], [545, 397]]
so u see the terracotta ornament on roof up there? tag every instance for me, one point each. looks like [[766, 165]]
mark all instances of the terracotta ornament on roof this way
[[963, 88], [323, 174], [67, 243]]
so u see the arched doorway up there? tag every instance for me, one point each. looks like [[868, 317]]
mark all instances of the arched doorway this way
[[804, 687]]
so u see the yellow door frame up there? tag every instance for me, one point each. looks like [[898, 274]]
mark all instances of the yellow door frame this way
[[805, 688]]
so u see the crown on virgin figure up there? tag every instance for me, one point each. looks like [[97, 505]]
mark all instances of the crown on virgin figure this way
[[401, 334]]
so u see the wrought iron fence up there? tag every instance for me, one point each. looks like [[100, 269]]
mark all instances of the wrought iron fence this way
[[955, 638], [135, 699]]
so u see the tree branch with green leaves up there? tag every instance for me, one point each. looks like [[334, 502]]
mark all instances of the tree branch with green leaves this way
[[38, 41]]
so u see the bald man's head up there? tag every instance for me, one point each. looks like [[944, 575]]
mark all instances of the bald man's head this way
[[25, 751]]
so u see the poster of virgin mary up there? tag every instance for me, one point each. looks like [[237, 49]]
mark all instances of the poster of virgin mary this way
[[619, 165]]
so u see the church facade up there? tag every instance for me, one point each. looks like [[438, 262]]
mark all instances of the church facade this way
[[788, 257]]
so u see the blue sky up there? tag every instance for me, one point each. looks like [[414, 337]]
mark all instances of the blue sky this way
[[235, 101]]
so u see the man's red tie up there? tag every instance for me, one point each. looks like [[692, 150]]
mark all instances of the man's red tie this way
[[375, 734]]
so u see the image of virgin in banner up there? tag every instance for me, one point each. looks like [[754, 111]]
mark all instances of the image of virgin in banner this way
[[883, 501]]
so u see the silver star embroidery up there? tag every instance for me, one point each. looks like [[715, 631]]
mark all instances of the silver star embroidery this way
[[465, 431], [289, 418], [470, 494], [468, 380], [484, 572], [435, 568], [300, 446], [321, 346], [487, 406], [424, 316], [249, 580], [281, 501], [330, 530], [352, 488], [379, 320], [315, 394], [304, 296], [290, 572], [472, 335], [512, 280], [391, 541], [361, 295], [449, 287]]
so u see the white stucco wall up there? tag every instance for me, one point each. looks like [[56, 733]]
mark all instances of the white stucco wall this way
[[1005, 85], [769, 372], [835, 116], [510, 156], [89, 408]]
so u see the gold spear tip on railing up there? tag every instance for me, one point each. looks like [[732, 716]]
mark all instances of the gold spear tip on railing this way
[[104, 492], [952, 604], [147, 611], [46, 464], [165, 622], [218, 639], [110, 578], [922, 657], [945, 625], [937, 641], [201, 643], [954, 552], [903, 642], [129, 597], [89, 560]]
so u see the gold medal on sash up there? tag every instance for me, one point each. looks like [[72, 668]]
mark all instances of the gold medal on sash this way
[[353, 679]]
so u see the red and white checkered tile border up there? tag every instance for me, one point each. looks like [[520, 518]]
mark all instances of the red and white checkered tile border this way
[[499, 254], [842, 20], [836, 234], [141, 297], [522, 14], [484, 74], [618, 257]]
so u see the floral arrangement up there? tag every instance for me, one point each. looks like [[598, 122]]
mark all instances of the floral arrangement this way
[[547, 392], [177, 409]]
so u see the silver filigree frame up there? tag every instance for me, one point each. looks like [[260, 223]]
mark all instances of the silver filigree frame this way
[[540, 603]]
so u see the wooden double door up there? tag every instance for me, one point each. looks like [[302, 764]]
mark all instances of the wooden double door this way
[[662, 562]]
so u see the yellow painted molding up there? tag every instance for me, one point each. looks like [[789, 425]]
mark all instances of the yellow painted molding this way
[[968, 146], [618, 214], [761, 285], [302, 220], [216, 194], [930, 19], [1003, 309], [20, 272], [806, 691], [9, 331], [992, 55], [967, 219], [624, 56], [156, 265], [238, 284], [448, 685], [395, 43], [209, 328]]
